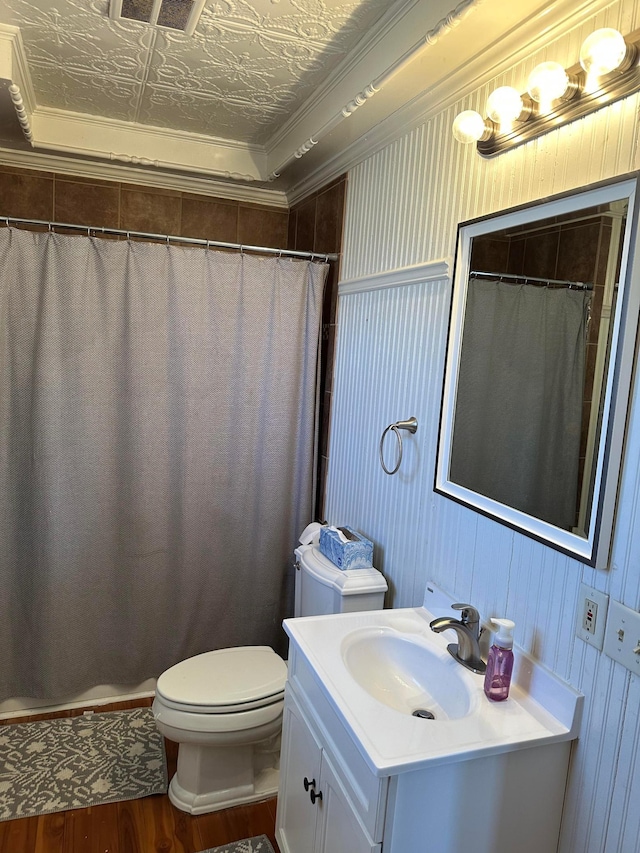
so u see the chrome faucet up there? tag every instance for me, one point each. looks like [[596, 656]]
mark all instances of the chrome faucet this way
[[467, 650]]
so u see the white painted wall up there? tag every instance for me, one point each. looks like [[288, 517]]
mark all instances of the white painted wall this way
[[403, 206]]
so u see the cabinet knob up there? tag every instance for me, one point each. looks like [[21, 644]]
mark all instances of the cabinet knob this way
[[309, 784], [315, 796]]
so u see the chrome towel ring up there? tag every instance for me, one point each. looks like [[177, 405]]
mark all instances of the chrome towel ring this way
[[411, 425]]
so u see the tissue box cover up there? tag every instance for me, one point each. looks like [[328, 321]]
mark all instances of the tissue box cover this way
[[354, 554]]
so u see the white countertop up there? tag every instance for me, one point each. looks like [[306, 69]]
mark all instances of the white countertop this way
[[540, 709]]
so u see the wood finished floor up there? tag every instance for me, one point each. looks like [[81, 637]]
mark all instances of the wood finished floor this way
[[149, 825]]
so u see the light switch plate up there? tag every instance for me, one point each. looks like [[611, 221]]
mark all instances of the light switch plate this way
[[591, 617], [622, 637]]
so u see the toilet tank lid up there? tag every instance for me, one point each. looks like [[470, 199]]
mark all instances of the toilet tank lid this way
[[228, 677], [346, 582]]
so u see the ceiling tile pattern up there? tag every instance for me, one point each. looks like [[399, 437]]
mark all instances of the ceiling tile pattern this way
[[249, 65]]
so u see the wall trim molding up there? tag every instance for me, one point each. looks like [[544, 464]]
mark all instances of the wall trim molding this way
[[534, 32], [442, 28], [83, 135], [430, 271], [111, 170]]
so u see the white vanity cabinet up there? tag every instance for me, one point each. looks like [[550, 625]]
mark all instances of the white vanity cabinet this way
[[300, 761], [339, 828], [324, 805], [333, 799]]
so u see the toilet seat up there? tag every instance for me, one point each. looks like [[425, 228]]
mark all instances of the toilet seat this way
[[185, 726], [225, 681]]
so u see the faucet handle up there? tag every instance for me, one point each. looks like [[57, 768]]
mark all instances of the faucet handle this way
[[469, 613]]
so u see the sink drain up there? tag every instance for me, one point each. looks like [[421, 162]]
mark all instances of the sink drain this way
[[423, 714]]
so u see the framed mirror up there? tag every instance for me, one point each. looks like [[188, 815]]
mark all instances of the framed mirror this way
[[540, 354]]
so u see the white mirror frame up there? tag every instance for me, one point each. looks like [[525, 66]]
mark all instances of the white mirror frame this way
[[595, 548]]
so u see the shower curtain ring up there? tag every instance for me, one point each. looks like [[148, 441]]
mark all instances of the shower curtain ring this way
[[411, 425]]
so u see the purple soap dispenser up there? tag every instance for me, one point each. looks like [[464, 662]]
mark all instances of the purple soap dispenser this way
[[500, 662]]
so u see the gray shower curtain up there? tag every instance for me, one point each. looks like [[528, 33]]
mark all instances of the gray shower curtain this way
[[156, 445], [520, 397]]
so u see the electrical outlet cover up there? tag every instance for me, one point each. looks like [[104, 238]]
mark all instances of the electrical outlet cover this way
[[595, 636], [623, 636]]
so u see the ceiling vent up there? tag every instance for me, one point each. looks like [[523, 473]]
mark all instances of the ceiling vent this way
[[180, 15]]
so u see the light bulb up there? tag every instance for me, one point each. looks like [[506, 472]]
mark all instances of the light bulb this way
[[547, 82], [468, 126], [504, 106], [602, 52]]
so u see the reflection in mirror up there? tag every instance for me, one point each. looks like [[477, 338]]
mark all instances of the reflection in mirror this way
[[529, 364], [527, 412]]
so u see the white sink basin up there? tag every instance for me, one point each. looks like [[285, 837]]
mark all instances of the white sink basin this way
[[376, 668], [407, 674]]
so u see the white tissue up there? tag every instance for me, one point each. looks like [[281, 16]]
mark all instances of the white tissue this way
[[341, 535], [311, 533]]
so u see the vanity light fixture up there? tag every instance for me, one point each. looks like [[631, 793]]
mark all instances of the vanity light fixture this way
[[602, 52], [506, 106], [608, 70], [469, 126], [549, 82]]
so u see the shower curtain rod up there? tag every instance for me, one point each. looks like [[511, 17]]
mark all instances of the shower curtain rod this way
[[168, 238], [576, 285]]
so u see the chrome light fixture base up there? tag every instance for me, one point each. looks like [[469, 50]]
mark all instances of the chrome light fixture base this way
[[576, 103]]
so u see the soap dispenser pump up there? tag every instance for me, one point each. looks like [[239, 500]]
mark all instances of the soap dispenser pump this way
[[497, 679]]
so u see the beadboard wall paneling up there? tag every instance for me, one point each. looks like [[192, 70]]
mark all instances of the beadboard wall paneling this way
[[403, 206], [390, 363], [625, 815]]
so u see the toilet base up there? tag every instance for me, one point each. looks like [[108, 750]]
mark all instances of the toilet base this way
[[265, 786], [213, 777]]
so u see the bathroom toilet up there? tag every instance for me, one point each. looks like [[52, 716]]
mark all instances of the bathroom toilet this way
[[224, 707]]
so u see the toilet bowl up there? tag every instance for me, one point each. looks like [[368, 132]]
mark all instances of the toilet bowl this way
[[224, 709]]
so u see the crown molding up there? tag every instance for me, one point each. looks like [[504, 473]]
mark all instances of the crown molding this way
[[386, 72], [16, 90], [163, 148], [21, 112], [534, 32], [403, 34], [132, 174], [15, 66], [392, 20]]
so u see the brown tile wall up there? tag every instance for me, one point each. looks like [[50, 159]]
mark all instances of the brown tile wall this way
[[315, 224], [29, 194]]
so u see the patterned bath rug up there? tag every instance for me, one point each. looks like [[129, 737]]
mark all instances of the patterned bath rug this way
[[74, 762], [257, 844]]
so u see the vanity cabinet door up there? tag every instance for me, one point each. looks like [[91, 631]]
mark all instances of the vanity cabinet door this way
[[299, 776], [315, 813], [338, 827]]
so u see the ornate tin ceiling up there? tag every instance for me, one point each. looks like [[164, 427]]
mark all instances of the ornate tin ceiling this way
[[247, 67]]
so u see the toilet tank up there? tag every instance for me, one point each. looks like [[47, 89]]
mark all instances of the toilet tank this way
[[323, 588]]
